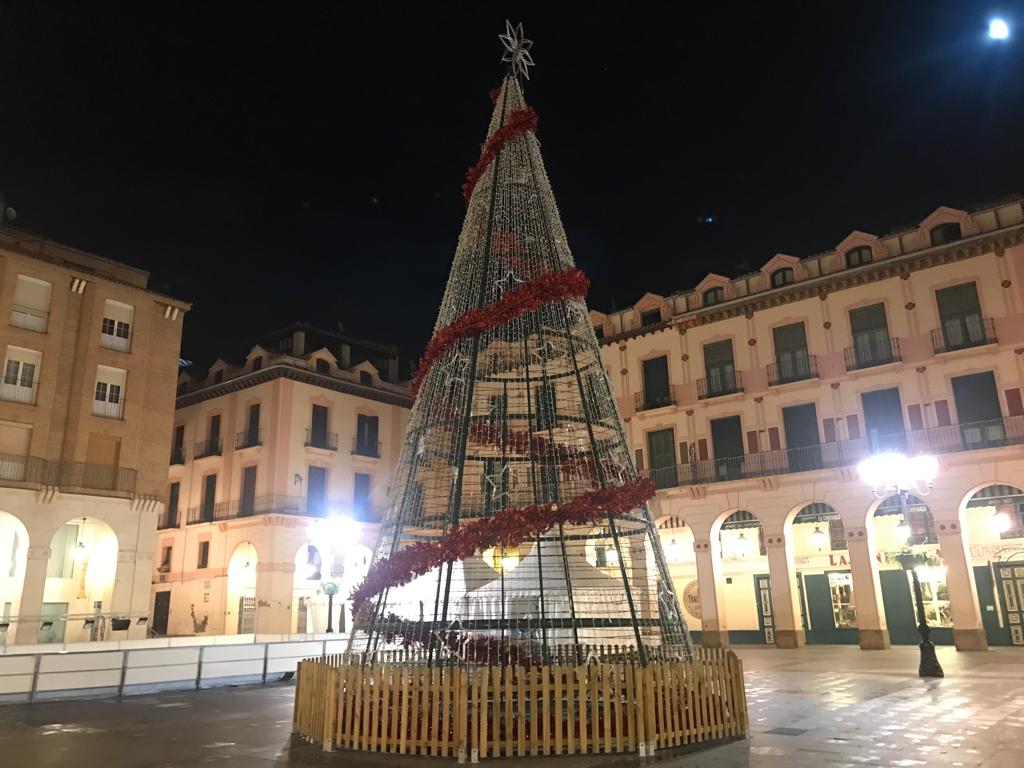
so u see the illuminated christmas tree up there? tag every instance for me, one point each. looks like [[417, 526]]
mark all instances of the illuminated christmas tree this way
[[518, 530]]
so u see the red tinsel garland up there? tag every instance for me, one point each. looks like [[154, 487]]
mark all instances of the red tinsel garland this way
[[474, 648], [507, 528], [519, 122], [566, 284]]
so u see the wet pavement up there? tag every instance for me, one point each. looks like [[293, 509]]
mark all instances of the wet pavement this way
[[820, 707]]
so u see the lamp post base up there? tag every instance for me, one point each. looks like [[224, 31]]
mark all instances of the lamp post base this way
[[930, 666]]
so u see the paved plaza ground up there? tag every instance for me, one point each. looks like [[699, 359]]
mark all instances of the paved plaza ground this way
[[821, 706]]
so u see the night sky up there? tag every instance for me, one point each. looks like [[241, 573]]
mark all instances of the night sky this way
[[302, 161]]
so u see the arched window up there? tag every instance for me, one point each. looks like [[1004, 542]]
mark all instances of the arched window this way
[[859, 256], [714, 296], [781, 277], [946, 233]]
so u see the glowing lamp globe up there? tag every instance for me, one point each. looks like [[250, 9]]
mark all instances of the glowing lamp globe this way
[[80, 552], [508, 562], [901, 532], [818, 538], [742, 545], [611, 556], [998, 29], [1000, 522]]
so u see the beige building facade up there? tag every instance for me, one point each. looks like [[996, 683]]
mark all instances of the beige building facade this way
[[279, 474], [86, 407], [750, 402]]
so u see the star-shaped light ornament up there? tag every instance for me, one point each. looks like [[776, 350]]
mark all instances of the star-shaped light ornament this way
[[517, 49]]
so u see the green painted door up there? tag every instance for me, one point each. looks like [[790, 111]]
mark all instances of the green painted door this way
[[765, 608], [985, 583], [820, 621], [900, 615], [1010, 579]]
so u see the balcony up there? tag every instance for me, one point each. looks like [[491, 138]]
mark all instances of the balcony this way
[[792, 368], [69, 476], [18, 393], [366, 448], [272, 504], [122, 342], [955, 438], [168, 519], [249, 438], [327, 441], [108, 410], [719, 383], [869, 351], [963, 332], [204, 448], [177, 455], [29, 318], [648, 401]]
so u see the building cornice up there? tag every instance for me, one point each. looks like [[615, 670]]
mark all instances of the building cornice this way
[[822, 286], [300, 375]]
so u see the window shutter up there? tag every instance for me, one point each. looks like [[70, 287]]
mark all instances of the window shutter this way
[[829, 426], [684, 452], [718, 354], [639, 459], [752, 442], [773, 439], [853, 426], [942, 413], [916, 422], [1014, 404], [702, 449], [871, 318], [788, 337]]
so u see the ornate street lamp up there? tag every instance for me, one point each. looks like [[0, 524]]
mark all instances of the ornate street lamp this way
[[893, 474], [330, 589]]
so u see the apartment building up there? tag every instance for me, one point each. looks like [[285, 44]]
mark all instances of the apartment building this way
[[86, 408], [750, 401], [279, 472]]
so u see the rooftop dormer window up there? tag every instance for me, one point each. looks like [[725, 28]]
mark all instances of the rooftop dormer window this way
[[651, 317], [945, 233], [714, 296], [366, 378], [781, 277], [322, 366], [599, 332], [858, 257]]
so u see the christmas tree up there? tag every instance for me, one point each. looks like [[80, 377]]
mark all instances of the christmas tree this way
[[518, 530]]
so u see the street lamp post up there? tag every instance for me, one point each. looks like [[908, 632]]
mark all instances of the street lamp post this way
[[330, 589], [893, 474]]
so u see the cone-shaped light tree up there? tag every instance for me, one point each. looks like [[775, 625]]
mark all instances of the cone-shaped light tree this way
[[517, 530]]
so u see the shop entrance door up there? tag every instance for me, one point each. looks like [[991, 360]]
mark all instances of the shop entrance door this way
[[1010, 578], [765, 608]]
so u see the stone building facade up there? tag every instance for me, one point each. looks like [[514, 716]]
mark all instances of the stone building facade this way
[[279, 474], [86, 407], [750, 402]]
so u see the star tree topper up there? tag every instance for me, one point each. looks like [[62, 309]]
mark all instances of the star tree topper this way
[[517, 49]]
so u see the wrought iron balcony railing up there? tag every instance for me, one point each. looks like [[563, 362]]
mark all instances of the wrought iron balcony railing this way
[[328, 441], [646, 401], [210, 447], [271, 504], [67, 475], [366, 448], [168, 519], [177, 455], [248, 438], [996, 433], [719, 383], [790, 368], [869, 350], [963, 332]]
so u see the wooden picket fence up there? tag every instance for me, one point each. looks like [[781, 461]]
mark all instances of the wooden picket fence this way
[[477, 712]]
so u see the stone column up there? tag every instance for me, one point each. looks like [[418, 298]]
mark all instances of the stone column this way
[[132, 585], [274, 587], [27, 632], [867, 590], [714, 630], [789, 631], [968, 630]]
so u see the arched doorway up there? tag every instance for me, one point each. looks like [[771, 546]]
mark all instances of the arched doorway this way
[[79, 582], [993, 520], [910, 529], [746, 580], [240, 609], [677, 544], [308, 601], [824, 579], [13, 555]]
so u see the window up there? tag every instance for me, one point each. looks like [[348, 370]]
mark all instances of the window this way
[[945, 233], [165, 558], [792, 363], [20, 375], [661, 448], [182, 387], [871, 342], [247, 504], [319, 437], [714, 296], [859, 256], [251, 436], [108, 397], [178, 445], [203, 561], [781, 277], [322, 366], [115, 328], [599, 332], [361, 495], [218, 376], [657, 392], [209, 497], [651, 317], [721, 378], [31, 309], [366, 378], [173, 500], [257, 362], [366, 435], [316, 490], [960, 320], [213, 434]]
